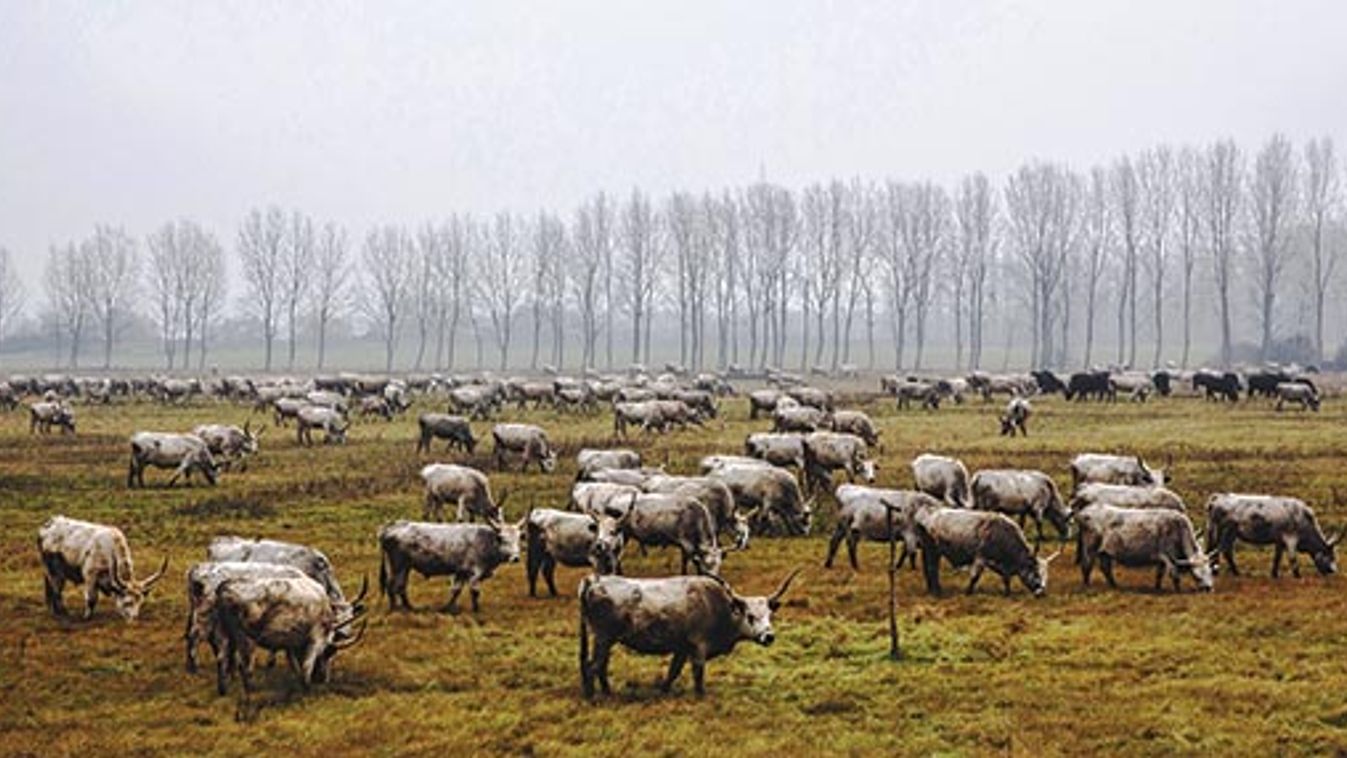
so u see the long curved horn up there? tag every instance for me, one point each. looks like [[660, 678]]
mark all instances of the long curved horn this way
[[1332, 541], [774, 599], [359, 635], [364, 589], [1050, 558], [354, 617], [113, 578]]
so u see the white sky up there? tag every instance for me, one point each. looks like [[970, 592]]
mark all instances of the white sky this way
[[135, 113]]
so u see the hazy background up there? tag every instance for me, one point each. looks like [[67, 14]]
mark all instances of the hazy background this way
[[138, 113]]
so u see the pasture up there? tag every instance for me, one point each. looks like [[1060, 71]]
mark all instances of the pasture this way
[[1256, 667]]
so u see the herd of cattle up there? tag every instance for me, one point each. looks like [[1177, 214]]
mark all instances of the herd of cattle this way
[[284, 597]]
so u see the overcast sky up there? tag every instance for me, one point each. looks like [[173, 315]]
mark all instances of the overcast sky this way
[[134, 113]]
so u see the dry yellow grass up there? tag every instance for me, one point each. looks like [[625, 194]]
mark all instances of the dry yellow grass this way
[[1254, 668]]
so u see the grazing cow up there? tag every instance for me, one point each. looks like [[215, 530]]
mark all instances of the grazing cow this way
[[1126, 496], [652, 415], [527, 441], [1048, 382], [800, 418], [784, 450], [1217, 386], [291, 615], [313, 562], [1301, 394], [1137, 385], [635, 477], [570, 539], [942, 478], [185, 453], [689, 617], [455, 430], [9, 396], [288, 408], [716, 385], [771, 494], [203, 580], [229, 444], [1010, 385], [1139, 538], [324, 399], [374, 405], [1016, 417], [812, 397], [702, 402], [590, 461], [658, 520], [1085, 385], [826, 452], [857, 423], [1022, 494], [863, 513], [1264, 383], [1114, 469], [536, 392], [926, 393], [475, 402], [980, 540], [42, 416], [464, 552], [464, 486], [710, 463], [1287, 523], [599, 498], [95, 556], [713, 494], [330, 420]]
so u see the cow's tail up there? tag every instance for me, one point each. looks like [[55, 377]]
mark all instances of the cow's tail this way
[[959, 492], [586, 676], [1213, 527], [383, 569]]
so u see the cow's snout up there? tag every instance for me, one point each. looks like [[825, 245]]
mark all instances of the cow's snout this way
[[766, 639]]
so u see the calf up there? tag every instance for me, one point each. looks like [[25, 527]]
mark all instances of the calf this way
[[1287, 523], [454, 429], [942, 478], [466, 553], [570, 539], [690, 617], [464, 486], [185, 453], [95, 556], [527, 441], [1140, 538], [979, 540]]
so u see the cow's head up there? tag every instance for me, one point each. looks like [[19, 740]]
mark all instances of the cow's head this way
[[867, 472], [753, 615], [1199, 566], [130, 595], [548, 461], [1326, 558], [1035, 574], [605, 553], [507, 536], [65, 418], [336, 431], [1149, 477], [251, 438]]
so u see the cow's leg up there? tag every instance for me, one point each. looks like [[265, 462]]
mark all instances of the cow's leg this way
[[402, 577], [1294, 555], [1160, 576], [834, 542], [853, 538], [53, 582], [532, 565], [131, 473], [244, 661], [1106, 567], [549, 573], [90, 597], [978, 565], [462, 512], [190, 637], [675, 669], [699, 672], [1005, 584], [603, 651], [1277, 551], [475, 592], [455, 589]]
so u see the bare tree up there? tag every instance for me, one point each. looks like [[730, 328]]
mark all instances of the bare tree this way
[[67, 283], [723, 222], [1189, 222], [501, 279], [388, 259], [976, 212], [1272, 206], [926, 235], [296, 272], [893, 252], [1323, 199], [1155, 175], [639, 266], [1097, 231], [211, 289], [549, 285], [1042, 210], [261, 246], [1223, 190], [112, 261], [165, 283], [331, 282], [585, 279], [860, 219], [425, 296], [1127, 202], [12, 295], [450, 273]]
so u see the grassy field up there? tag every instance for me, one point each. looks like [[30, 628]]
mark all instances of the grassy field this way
[[1255, 668]]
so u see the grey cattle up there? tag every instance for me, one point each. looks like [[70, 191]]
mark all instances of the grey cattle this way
[[286, 408], [1023, 494], [597, 498], [527, 441], [926, 394], [763, 401], [943, 478], [589, 461], [1016, 417], [375, 405], [1126, 496], [635, 477], [474, 402], [695, 618], [658, 520], [1297, 393], [330, 420], [713, 494], [466, 553], [42, 416], [710, 463], [467, 488], [185, 453], [863, 513], [1139, 538], [291, 615], [570, 539], [203, 580], [95, 556], [772, 494], [826, 452], [776, 449], [857, 423], [1114, 469], [651, 415], [454, 429], [980, 541], [229, 444], [1286, 523], [800, 418], [812, 397], [313, 562], [324, 399]]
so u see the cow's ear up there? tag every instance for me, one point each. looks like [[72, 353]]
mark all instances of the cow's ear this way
[[738, 606]]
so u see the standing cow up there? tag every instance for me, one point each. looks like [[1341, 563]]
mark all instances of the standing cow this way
[[527, 441], [857, 423], [454, 429], [95, 556], [863, 513], [826, 452], [466, 553], [1139, 538], [1021, 494], [330, 420], [230, 444], [1287, 523], [42, 416], [1114, 469], [657, 520], [942, 478], [464, 486], [569, 539], [981, 541], [185, 453], [695, 618]]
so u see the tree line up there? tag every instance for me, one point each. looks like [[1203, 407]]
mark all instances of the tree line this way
[[756, 276]]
